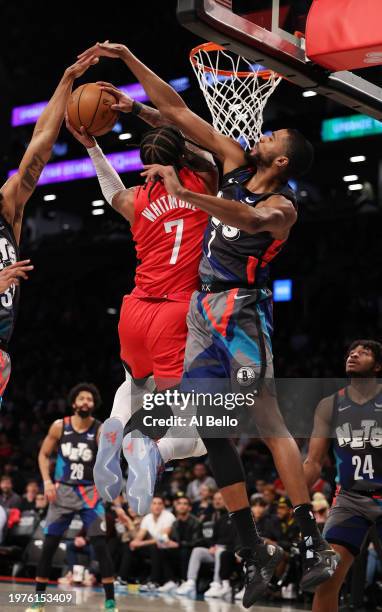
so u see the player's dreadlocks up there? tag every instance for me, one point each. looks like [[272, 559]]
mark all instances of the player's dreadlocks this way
[[166, 146]]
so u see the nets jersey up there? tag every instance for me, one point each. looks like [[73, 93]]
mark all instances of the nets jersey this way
[[358, 442], [233, 255], [76, 454], [168, 233], [9, 300]]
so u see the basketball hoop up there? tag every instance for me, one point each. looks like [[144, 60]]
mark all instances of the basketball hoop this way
[[235, 90]]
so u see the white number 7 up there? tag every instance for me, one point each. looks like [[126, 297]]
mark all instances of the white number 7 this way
[[178, 223]]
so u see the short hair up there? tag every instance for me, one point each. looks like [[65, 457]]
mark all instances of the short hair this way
[[300, 153], [373, 345], [179, 497], [164, 145], [84, 386], [6, 477], [259, 501]]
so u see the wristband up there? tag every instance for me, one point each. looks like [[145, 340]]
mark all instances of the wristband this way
[[136, 108], [48, 482]]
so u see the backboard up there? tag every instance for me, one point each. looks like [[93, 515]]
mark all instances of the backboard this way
[[270, 32]]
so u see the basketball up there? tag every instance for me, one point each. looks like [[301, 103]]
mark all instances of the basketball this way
[[90, 106]]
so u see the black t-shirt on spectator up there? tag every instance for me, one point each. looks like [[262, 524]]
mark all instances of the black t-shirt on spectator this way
[[187, 533], [27, 505], [202, 513]]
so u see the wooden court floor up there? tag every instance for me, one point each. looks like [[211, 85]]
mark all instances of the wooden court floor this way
[[92, 599]]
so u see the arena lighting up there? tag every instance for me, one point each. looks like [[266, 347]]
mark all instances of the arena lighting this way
[[23, 115], [50, 197], [357, 159], [98, 211], [125, 136], [309, 94], [61, 172], [282, 290], [356, 187], [350, 177], [117, 128], [96, 203]]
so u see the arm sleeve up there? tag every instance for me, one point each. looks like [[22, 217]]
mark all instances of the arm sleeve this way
[[108, 178]]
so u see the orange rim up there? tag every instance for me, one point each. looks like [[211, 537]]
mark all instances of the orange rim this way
[[210, 46]]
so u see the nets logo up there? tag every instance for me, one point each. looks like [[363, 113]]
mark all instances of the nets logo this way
[[246, 376]]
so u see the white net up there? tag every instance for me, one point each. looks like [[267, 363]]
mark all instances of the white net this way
[[235, 90]]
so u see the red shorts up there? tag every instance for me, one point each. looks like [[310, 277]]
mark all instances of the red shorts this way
[[5, 371], [153, 333]]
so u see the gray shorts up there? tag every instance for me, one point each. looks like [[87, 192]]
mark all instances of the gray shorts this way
[[229, 337], [350, 519], [81, 499]]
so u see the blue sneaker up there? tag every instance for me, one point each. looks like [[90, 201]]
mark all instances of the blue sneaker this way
[[107, 469], [145, 466]]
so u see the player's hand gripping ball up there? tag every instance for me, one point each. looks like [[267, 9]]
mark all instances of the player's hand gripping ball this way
[[90, 106]]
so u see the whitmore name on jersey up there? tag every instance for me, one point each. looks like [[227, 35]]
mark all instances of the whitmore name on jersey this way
[[162, 205], [74, 453], [370, 433]]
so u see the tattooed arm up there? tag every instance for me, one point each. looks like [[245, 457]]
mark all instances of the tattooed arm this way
[[18, 189]]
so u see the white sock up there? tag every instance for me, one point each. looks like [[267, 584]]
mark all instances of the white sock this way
[[128, 398], [180, 448]]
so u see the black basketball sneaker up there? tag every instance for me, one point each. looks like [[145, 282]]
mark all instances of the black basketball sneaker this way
[[319, 562], [260, 565]]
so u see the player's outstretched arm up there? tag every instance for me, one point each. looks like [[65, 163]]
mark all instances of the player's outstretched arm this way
[[276, 215], [319, 442], [113, 190], [125, 104], [172, 106], [18, 189]]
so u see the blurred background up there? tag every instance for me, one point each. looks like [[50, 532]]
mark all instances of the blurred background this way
[[327, 281]]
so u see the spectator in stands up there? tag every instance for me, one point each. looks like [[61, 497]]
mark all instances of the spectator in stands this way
[[8, 498], [174, 553], [203, 508], [14, 471], [29, 498], [290, 532], [260, 484], [279, 487], [154, 529], [200, 478], [178, 483], [224, 537], [41, 506], [270, 496], [267, 524], [80, 545], [320, 509], [127, 530]]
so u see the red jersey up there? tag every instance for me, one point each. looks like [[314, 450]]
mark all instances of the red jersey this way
[[168, 234]]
